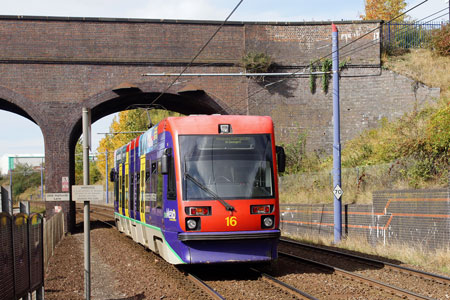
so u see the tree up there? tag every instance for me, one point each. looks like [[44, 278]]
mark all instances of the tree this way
[[94, 174], [384, 10], [129, 120], [23, 178]]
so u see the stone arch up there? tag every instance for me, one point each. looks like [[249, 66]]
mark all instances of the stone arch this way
[[65, 127], [18, 104], [186, 100]]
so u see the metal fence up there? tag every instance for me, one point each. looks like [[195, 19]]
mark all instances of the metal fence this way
[[408, 35], [53, 234], [21, 255]]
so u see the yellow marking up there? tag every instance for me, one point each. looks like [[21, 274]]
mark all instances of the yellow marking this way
[[127, 183], [142, 206], [231, 221], [121, 188]]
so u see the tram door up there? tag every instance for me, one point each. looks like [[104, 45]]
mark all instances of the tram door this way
[[156, 192], [142, 191], [121, 189]]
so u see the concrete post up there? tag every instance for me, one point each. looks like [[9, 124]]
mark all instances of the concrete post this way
[[6, 201], [87, 225], [337, 137]]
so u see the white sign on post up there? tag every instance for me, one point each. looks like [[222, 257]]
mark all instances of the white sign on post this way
[[81, 193], [57, 197], [338, 192], [65, 183]]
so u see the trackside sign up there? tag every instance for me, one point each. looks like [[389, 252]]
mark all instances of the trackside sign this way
[[82, 193]]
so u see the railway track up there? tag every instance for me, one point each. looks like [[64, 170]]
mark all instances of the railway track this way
[[280, 284], [386, 288], [220, 282], [243, 281], [100, 213], [413, 284], [273, 289]]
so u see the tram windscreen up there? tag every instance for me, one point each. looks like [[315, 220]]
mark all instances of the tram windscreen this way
[[228, 166]]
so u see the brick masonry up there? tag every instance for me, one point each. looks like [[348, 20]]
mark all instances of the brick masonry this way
[[51, 67], [418, 218]]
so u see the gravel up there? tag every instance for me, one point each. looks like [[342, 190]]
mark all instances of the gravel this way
[[403, 280], [121, 269]]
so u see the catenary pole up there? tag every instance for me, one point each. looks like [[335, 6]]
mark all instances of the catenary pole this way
[[336, 138], [42, 179], [106, 175], [87, 225]]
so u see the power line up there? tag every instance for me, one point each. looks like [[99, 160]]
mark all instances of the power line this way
[[199, 52]]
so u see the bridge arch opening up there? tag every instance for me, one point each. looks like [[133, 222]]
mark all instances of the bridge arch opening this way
[[189, 100], [22, 159]]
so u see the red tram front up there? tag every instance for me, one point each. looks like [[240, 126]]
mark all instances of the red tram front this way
[[201, 189]]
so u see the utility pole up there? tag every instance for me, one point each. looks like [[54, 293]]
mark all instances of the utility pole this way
[[42, 179], [336, 139], [87, 226], [106, 176]]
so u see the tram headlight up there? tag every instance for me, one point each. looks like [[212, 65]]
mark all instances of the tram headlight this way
[[193, 224], [267, 221]]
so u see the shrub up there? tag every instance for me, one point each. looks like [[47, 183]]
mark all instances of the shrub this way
[[256, 62], [440, 40]]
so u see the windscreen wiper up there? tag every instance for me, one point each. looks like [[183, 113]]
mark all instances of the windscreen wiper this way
[[205, 189]]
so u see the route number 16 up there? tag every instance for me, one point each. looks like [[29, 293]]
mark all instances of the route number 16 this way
[[231, 221]]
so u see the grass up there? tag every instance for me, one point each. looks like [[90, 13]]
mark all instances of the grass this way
[[32, 193], [409, 153], [423, 66], [357, 183], [433, 261]]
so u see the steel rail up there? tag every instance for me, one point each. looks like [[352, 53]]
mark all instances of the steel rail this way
[[100, 214], [197, 281], [284, 286], [202, 285], [435, 277], [386, 287]]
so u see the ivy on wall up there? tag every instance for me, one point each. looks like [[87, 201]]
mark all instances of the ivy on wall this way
[[325, 66]]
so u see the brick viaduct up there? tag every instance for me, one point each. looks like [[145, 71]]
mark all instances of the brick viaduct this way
[[51, 67]]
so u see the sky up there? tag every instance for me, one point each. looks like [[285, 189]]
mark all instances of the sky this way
[[26, 137]]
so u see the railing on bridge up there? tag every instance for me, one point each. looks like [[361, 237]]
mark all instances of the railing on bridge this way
[[408, 35]]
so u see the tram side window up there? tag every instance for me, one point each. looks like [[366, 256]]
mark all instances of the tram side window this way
[[126, 189], [147, 186], [154, 182], [171, 181], [121, 189], [138, 192], [131, 192], [117, 188], [141, 191], [159, 192]]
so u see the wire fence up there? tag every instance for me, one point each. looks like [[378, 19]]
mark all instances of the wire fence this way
[[409, 35], [358, 183], [21, 255]]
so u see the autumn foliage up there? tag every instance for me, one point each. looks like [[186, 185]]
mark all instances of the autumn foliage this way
[[129, 120], [440, 41], [384, 10]]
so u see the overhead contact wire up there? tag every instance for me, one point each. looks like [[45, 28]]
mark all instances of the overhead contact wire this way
[[199, 52]]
